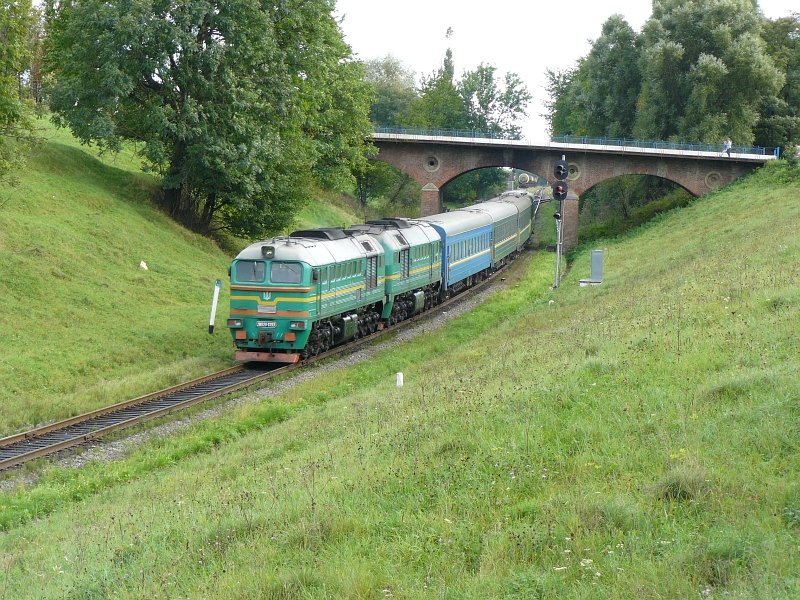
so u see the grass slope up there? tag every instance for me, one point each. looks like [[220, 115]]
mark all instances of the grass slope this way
[[636, 439], [83, 325]]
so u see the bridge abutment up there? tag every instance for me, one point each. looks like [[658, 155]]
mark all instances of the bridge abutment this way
[[430, 200], [569, 222]]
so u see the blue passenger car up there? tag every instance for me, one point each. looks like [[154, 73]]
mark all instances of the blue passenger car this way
[[466, 247], [511, 224]]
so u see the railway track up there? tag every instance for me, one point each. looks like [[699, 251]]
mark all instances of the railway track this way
[[42, 441]]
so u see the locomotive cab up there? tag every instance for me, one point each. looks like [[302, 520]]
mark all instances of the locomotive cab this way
[[270, 295]]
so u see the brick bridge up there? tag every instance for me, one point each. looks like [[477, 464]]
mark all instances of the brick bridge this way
[[433, 161]]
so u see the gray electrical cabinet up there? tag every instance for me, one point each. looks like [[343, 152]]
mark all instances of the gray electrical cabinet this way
[[596, 275], [597, 266]]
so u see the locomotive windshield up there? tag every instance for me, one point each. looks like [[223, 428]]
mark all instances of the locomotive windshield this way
[[281, 272], [251, 270]]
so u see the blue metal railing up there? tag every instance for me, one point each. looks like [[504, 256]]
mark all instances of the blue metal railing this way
[[467, 133], [582, 139], [661, 145]]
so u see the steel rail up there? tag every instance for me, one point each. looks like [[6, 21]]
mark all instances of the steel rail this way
[[41, 441]]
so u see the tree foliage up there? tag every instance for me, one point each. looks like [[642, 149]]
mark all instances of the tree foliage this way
[[393, 85], [492, 106], [480, 100], [238, 104], [439, 105], [699, 71], [705, 71], [598, 97], [16, 20], [780, 115]]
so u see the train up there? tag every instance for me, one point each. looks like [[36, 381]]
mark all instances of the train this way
[[294, 297]]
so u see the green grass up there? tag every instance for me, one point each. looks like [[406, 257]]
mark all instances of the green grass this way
[[83, 325], [328, 210], [637, 439]]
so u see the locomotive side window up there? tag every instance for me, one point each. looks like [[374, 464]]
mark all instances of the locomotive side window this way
[[281, 272], [251, 270]]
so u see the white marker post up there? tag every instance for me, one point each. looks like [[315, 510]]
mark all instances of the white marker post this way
[[217, 286]]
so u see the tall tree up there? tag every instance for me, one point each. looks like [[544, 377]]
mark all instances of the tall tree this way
[[705, 71], [566, 110], [492, 106], [16, 19], [439, 104], [598, 96], [235, 102], [780, 115], [393, 83], [613, 79]]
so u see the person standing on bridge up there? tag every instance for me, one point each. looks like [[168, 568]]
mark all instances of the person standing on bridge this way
[[727, 148]]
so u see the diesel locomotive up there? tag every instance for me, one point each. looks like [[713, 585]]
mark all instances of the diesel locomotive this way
[[297, 296]]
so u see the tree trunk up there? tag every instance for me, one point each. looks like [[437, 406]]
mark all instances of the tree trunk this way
[[173, 182]]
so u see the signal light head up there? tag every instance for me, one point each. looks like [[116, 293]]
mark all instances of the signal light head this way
[[560, 190], [561, 170]]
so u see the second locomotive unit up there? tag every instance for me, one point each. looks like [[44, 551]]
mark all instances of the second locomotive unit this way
[[296, 296]]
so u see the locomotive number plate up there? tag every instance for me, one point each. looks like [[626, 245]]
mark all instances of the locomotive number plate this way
[[265, 323]]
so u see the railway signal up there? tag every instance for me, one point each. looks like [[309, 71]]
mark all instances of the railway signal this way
[[561, 170], [560, 190]]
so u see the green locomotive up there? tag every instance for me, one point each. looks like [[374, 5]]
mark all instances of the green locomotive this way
[[296, 296]]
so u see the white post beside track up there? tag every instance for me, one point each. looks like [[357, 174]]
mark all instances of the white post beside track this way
[[217, 286]]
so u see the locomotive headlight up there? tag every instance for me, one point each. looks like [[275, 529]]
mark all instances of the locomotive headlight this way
[[234, 322], [297, 325]]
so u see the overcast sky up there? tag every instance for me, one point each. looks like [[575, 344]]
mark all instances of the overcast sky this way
[[523, 37]]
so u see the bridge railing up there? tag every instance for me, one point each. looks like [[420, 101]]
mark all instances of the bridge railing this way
[[582, 139], [661, 145], [465, 133]]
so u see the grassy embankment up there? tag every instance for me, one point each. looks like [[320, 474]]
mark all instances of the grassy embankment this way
[[633, 440], [83, 325]]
